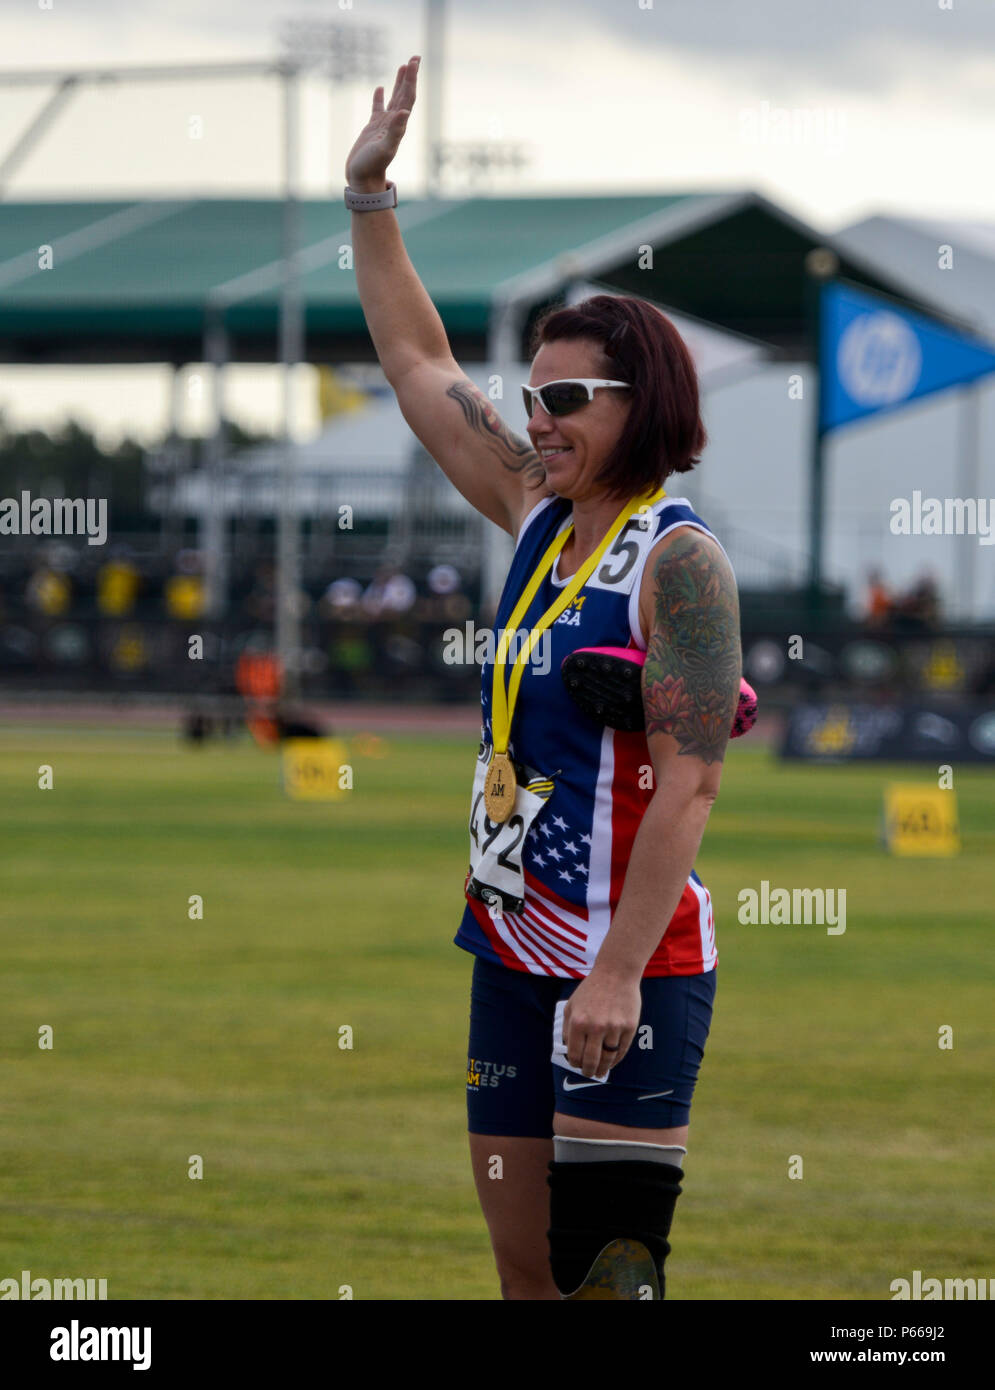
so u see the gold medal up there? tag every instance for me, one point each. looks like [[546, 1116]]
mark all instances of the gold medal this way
[[500, 787]]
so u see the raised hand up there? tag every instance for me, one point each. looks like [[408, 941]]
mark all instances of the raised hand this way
[[378, 141]]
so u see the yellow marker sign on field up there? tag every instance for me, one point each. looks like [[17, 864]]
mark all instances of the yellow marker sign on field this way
[[920, 820], [313, 769]]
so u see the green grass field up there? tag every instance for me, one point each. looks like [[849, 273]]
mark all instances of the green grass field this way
[[326, 1167]]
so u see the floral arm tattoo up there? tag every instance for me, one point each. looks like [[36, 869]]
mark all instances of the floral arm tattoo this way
[[693, 662], [510, 449]]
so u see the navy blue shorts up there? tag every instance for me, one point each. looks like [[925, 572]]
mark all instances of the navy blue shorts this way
[[517, 1072]]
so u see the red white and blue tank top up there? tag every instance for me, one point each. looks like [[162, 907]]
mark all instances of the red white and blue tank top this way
[[577, 848]]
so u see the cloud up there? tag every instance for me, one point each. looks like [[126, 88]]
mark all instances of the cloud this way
[[788, 28], [851, 44], [604, 95]]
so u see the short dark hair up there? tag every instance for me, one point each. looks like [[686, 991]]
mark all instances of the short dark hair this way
[[664, 432]]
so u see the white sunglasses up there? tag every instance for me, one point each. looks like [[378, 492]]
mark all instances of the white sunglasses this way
[[566, 396]]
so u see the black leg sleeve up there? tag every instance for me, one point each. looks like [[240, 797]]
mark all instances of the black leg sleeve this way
[[592, 1204]]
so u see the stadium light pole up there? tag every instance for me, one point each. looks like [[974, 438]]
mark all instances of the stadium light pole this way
[[821, 265], [214, 522], [969, 484], [435, 32], [288, 557], [343, 52]]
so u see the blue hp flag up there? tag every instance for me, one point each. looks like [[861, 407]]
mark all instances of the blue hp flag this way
[[875, 355]]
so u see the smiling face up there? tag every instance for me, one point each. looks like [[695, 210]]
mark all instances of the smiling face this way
[[575, 447]]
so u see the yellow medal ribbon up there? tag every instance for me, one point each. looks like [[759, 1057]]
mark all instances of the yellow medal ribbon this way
[[499, 786]]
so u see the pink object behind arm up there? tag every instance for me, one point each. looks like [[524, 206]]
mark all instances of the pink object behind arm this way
[[746, 710]]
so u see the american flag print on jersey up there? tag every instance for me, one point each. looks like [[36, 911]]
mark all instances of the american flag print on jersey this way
[[578, 847]]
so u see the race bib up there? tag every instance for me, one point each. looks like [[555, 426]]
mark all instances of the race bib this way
[[496, 875], [618, 570]]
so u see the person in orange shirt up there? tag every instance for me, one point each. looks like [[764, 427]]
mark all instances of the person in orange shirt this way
[[879, 601]]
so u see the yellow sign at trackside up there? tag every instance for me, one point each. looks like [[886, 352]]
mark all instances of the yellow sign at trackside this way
[[920, 820], [316, 769]]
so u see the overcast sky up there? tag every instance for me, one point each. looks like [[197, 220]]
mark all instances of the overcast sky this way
[[898, 96], [836, 109]]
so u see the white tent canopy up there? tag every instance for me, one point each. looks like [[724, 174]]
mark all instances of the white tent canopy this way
[[362, 459], [912, 251]]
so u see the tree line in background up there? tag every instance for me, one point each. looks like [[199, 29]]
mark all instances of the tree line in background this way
[[70, 462]]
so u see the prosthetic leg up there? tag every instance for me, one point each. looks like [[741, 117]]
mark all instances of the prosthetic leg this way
[[611, 1206]]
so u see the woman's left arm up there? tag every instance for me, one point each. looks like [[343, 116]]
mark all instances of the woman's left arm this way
[[690, 687]]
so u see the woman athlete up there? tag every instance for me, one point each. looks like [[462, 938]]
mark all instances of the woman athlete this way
[[594, 970]]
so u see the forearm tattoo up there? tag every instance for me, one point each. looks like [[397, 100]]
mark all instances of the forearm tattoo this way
[[510, 449], [693, 662]]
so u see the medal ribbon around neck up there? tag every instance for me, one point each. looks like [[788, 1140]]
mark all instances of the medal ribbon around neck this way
[[500, 784]]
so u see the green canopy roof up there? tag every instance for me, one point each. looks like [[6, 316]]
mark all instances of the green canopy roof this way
[[135, 281]]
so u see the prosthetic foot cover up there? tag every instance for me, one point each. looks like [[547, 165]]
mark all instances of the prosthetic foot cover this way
[[593, 1205], [623, 1270]]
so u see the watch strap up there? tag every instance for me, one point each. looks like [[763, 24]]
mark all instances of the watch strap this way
[[371, 202]]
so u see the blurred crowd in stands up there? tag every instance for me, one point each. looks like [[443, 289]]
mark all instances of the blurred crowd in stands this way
[[129, 616], [74, 617], [915, 609]]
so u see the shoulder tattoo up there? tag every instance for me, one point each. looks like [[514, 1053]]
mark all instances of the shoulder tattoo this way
[[693, 660]]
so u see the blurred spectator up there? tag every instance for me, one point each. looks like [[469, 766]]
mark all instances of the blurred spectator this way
[[350, 658], [878, 604], [443, 579], [129, 654], [261, 602], [985, 683], [923, 601], [49, 591], [118, 582], [258, 675], [184, 591], [919, 608], [445, 601], [390, 593], [259, 679], [341, 599]]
